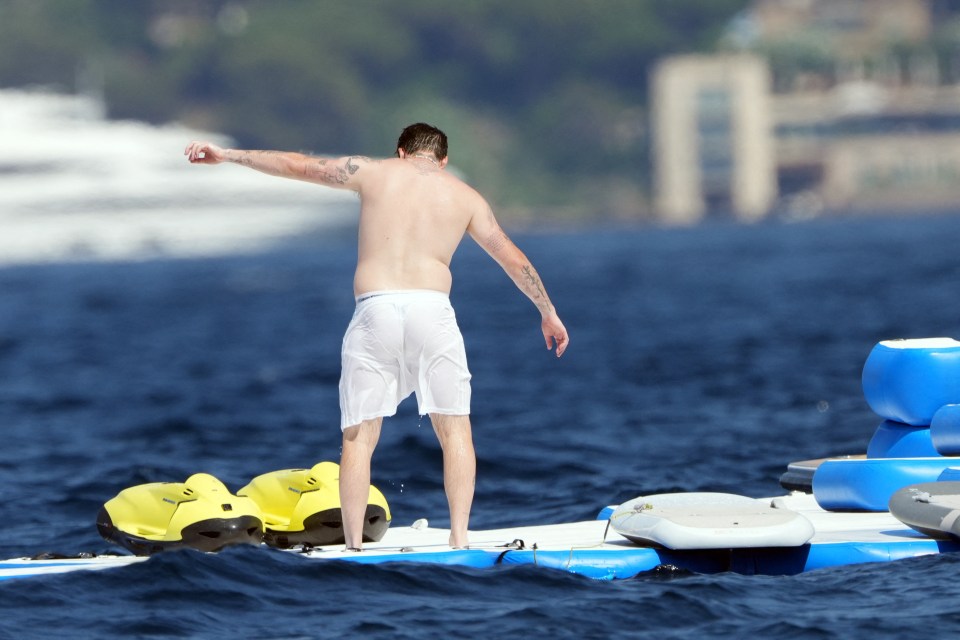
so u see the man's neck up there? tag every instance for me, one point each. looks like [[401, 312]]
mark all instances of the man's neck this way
[[425, 157]]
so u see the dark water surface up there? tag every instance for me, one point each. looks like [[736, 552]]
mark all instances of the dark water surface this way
[[701, 360]]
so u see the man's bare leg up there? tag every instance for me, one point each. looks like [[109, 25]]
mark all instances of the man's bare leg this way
[[459, 471], [358, 444]]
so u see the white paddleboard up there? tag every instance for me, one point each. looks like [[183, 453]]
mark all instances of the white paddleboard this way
[[709, 521], [587, 548], [26, 567]]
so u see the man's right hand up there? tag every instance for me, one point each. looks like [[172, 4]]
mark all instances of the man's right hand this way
[[204, 153], [555, 333]]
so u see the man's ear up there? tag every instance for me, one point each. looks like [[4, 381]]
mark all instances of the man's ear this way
[[401, 153], [443, 162]]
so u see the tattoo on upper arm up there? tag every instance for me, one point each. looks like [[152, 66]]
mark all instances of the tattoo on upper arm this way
[[497, 241], [325, 172], [353, 168], [338, 174]]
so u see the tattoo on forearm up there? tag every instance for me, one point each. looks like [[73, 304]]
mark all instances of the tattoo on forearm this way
[[534, 288], [255, 159], [245, 159]]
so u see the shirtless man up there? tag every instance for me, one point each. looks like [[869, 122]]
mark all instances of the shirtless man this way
[[403, 337]]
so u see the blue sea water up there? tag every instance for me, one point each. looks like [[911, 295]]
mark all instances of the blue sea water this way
[[701, 359]]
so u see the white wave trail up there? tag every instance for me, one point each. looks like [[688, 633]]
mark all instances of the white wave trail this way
[[74, 185]]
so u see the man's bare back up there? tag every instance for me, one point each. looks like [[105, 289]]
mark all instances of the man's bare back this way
[[413, 215]]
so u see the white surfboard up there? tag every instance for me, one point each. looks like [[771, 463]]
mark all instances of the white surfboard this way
[[709, 521]]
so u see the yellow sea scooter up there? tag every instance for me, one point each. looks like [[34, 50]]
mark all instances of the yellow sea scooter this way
[[200, 513], [302, 506]]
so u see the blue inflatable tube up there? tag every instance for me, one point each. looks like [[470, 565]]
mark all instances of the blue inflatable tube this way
[[909, 380], [945, 429], [898, 440], [866, 484]]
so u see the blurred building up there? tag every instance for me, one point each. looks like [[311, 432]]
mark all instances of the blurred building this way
[[867, 118], [713, 146]]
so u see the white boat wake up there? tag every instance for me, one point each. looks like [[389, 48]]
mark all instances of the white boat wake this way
[[75, 186]]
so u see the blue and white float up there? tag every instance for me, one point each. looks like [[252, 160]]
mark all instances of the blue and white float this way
[[900, 500], [909, 380], [911, 384]]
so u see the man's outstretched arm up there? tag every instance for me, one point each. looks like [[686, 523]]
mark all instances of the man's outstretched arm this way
[[486, 231], [343, 173]]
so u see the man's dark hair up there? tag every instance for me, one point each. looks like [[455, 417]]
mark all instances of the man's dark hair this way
[[423, 138]]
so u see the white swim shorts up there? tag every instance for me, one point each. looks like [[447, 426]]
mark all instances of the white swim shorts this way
[[398, 343]]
